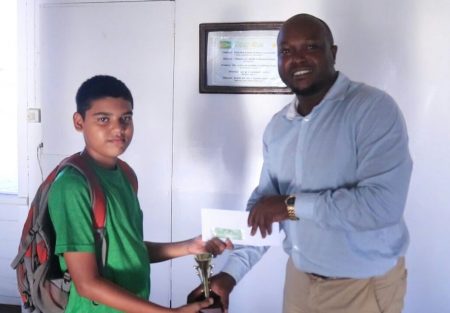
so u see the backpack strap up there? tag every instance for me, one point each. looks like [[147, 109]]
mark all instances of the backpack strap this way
[[80, 161], [129, 173]]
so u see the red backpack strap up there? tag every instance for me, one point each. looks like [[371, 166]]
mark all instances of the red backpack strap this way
[[129, 173], [80, 162]]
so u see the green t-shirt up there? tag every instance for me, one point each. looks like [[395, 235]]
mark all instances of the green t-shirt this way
[[127, 262]]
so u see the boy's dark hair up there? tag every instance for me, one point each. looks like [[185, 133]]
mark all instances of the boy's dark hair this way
[[100, 86]]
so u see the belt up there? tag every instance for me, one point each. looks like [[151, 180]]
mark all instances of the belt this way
[[317, 276]]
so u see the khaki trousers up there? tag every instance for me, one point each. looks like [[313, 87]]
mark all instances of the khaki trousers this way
[[308, 293]]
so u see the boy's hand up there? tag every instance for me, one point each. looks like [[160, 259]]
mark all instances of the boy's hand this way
[[194, 307], [215, 246]]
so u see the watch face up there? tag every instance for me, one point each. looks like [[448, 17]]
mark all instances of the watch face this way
[[290, 201]]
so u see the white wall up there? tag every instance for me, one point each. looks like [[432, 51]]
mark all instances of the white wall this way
[[399, 46]]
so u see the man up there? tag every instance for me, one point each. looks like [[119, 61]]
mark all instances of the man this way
[[335, 175]]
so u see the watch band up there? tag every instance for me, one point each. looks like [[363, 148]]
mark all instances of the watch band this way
[[290, 207]]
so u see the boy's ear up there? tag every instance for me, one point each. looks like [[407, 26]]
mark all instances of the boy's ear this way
[[78, 121]]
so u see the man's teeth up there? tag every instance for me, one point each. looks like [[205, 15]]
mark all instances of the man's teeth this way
[[301, 72]]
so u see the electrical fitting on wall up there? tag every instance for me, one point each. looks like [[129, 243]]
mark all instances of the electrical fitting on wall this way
[[34, 115]]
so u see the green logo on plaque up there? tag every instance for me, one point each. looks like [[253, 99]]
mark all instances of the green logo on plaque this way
[[225, 44]]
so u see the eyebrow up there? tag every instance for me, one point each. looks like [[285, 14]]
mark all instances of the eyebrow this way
[[108, 113]]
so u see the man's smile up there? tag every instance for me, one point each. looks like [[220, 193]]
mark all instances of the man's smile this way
[[301, 73]]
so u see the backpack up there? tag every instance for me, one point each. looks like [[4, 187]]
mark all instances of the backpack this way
[[43, 287]]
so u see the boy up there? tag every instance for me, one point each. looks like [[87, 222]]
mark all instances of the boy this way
[[104, 117]]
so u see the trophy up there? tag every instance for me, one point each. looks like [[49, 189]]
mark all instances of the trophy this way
[[204, 268]]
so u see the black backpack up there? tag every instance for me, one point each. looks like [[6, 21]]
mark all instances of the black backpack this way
[[43, 287]]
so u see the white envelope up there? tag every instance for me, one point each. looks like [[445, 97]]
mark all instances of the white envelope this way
[[233, 225]]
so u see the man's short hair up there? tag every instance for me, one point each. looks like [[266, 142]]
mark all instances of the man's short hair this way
[[326, 28], [100, 86]]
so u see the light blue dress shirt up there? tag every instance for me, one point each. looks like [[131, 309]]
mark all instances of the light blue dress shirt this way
[[349, 166]]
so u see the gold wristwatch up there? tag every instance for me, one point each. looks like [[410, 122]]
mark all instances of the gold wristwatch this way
[[290, 207]]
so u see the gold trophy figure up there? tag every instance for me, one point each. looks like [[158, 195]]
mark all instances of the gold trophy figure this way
[[204, 270]]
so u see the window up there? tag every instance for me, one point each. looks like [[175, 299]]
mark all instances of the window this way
[[9, 97]]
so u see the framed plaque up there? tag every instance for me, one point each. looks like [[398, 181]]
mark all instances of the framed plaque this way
[[240, 58]]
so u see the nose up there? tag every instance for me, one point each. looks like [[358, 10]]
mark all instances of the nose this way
[[299, 56], [118, 126]]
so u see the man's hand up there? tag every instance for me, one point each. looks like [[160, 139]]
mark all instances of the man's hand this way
[[265, 212], [215, 246], [221, 284]]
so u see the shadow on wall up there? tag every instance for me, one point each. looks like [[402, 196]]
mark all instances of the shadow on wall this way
[[219, 129]]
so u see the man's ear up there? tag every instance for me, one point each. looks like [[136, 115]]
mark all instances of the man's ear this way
[[78, 121], [334, 49]]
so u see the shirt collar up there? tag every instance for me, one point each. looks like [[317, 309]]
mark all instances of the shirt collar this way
[[336, 93]]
